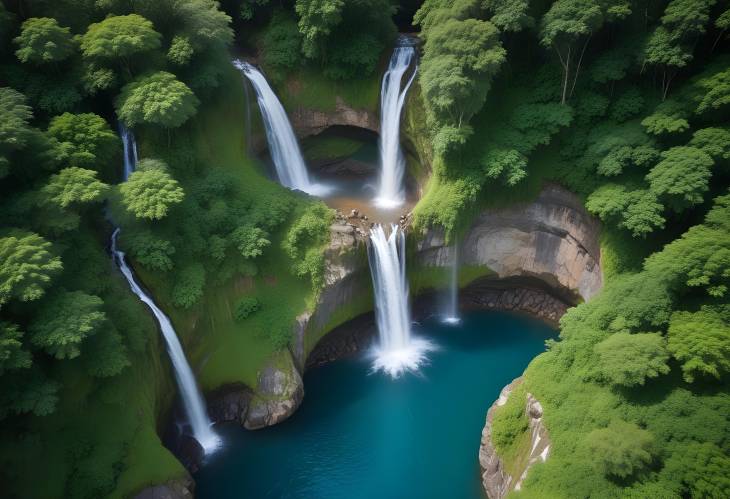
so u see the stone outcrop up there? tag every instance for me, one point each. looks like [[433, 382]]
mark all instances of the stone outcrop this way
[[173, 489], [496, 481], [306, 121], [279, 392], [552, 239]]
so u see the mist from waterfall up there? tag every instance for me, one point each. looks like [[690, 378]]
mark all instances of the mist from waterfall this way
[[192, 399], [451, 315], [391, 190], [398, 350], [283, 145]]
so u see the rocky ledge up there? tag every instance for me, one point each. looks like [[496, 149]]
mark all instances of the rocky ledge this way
[[174, 489], [552, 239], [306, 121], [496, 481]]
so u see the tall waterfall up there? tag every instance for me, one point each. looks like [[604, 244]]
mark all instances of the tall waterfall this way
[[192, 400], [398, 351], [130, 150], [283, 145], [452, 310], [391, 192]]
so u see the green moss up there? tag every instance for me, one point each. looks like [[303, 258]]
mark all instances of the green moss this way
[[308, 88], [423, 278], [511, 432], [330, 147]]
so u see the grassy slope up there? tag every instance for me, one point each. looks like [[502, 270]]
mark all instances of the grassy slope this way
[[309, 89]]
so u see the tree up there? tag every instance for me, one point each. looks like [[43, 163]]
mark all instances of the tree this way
[[567, 23], [281, 44], [250, 240], [634, 209], [64, 321], [670, 117], [12, 354], [158, 99], [119, 38], [27, 266], [509, 15], [681, 177], [715, 91], [621, 450], [180, 51], [150, 251], [149, 194], [73, 186], [715, 142], [188, 288], [86, 139], [630, 359], [245, 307], [317, 18], [42, 40], [15, 131], [701, 342], [671, 44], [702, 467]]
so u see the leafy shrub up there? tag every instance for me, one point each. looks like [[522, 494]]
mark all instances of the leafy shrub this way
[[189, 285], [245, 307]]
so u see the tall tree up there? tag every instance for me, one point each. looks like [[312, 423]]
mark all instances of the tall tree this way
[[42, 41], [158, 99], [27, 266]]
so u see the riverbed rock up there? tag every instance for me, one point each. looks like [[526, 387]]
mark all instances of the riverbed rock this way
[[279, 392], [552, 239], [229, 403], [496, 481], [181, 488]]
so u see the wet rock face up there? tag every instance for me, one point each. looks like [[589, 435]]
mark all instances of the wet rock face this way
[[307, 121], [552, 239]]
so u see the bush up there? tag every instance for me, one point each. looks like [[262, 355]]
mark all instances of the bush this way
[[245, 307], [621, 449]]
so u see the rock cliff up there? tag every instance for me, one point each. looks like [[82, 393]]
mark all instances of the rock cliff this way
[[552, 239], [306, 121], [495, 479]]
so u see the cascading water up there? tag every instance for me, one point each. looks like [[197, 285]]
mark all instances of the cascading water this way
[[391, 192], [130, 150], [192, 400], [398, 350], [283, 145], [452, 311]]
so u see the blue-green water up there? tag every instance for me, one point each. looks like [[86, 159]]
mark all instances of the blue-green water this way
[[360, 435]]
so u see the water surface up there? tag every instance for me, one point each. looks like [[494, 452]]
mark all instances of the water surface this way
[[360, 435]]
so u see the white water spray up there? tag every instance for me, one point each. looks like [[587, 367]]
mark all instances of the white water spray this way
[[391, 192], [452, 311], [283, 145], [192, 400], [398, 350]]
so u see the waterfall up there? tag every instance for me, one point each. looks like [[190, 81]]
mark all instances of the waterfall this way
[[391, 192], [452, 311], [285, 153], [130, 150], [398, 351], [192, 400]]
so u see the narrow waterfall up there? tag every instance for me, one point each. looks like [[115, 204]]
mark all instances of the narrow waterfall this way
[[130, 150], [192, 399], [391, 192], [452, 310], [398, 351], [283, 145]]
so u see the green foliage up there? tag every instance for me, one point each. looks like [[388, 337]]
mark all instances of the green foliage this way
[[509, 15], [670, 117], [119, 37], [713, 141], [716, 91], [682, 177], [701, 342], [28, 266], [636, 210], [12, 354], [250, 241], [42, 40], [86, 139], [316, 21], [64, 321], [622, 449], [150, 251], [245, 307], [281, 44], [149, 194], [305, 240], [510, 420], [157, 99], [189, 285], [180, 51], [630, 359], [74, 185]]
